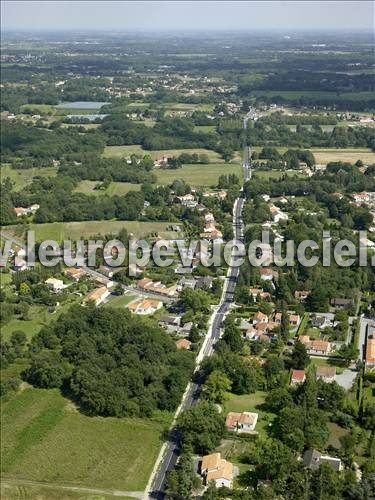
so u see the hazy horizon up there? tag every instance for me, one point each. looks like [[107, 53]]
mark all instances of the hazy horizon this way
[[186, 16]]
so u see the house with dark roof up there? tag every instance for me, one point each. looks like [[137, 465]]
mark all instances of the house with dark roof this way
[[342, 303], [313, 459]]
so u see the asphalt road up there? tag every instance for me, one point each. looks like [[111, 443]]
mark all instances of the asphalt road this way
[[171, 449]]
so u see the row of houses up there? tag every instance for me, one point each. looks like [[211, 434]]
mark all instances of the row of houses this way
[[261, 325], [325, 373], [370, 348], [148, 285], [145, 307], [211, 233]]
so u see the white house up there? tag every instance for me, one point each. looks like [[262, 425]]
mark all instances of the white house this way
[[19, 264], [54, 284], [145, 306], [98, 295], [241, 422]]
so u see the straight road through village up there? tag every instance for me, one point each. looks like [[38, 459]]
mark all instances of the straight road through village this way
[[170, 451]]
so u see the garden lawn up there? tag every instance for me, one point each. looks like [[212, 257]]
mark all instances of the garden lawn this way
[[46, 439], [120, 300], [252, 403]]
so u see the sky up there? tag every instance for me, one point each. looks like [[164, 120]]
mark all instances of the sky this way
[[186, 15]]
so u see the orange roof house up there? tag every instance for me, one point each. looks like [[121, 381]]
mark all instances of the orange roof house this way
[[98, 295], [241, 422], [214, 468], [183, 344], [298, 377], [326, 373], [370, 352]]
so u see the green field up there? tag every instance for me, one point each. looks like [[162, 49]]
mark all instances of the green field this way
[[59, 231], [13, 489], [22, 178], [46, 439], [41, 109], [325, 155], [296, 94], [39, 316], [268, 174], [199, 175], [205, 128], [115, 188]]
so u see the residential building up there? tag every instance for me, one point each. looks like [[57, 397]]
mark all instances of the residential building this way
[[170, 321], [145, 306], [342, 303], [183, 344], [259, 292], [320, 321], [370, 352], [294, 319], [241, 422], [251, 333], [209, 217], [298, 377], [98, 295], [215, 234], [107, 271], [103, 281], [21, 211], [74, 273], [260, 318], [301, 294], [204, 282], [217, 469], [187, 283], [157, 287], [313, 459], [26, 211], [277, 215], [321, 347], [267, 274], [54, 284], [19, 264], [326, 373]]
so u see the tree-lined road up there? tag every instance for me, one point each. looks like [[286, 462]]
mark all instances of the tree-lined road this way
[[170, 451]]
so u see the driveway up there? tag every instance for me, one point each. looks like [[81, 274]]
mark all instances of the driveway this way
[[346, 378]]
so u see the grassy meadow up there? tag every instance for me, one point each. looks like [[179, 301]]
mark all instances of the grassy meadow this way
[[22, 178], [326, 155], [124, 151], [114, 189], [59, 231], [199, 175]]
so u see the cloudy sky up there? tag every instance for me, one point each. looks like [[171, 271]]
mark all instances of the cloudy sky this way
[[186, 15]]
